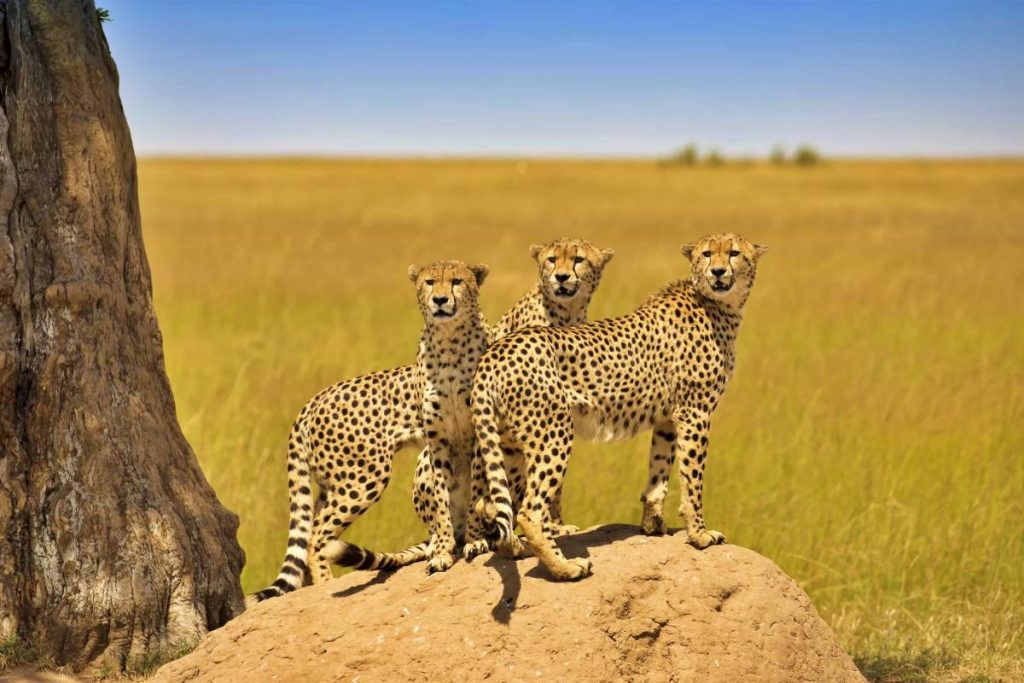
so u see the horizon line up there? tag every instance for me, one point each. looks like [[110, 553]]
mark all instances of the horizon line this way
[[387, 156]]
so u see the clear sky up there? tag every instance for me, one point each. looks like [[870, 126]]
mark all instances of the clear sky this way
[[570, 78]]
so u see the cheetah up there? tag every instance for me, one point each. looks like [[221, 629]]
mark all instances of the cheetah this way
[[346, 436], [664, 366], [570, 271]]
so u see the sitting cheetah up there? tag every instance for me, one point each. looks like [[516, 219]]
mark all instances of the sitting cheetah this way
[[346, 436], [663, 366], [570, 271], [448, 356]]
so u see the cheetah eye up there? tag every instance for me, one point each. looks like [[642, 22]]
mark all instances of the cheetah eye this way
[[551, 259], [428, 283], [579, 259], [734, 253], [706, 254], [456, 281]]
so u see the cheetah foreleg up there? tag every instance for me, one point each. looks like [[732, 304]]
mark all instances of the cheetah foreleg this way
[[441, 552], [692, 428]]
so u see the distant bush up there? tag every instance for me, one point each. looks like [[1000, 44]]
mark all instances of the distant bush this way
[[687, 156], [714, 158], [805, 155], [778, 155]]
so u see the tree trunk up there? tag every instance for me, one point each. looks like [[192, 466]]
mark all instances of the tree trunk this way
[[113, 545]]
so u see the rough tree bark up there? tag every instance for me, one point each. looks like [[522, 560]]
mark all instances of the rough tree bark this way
[[112, 543]]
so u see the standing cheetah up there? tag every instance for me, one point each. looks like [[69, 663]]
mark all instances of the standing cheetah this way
[[347, 434], [664, 366]]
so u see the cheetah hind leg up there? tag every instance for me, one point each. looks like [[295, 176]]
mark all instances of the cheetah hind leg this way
[[328, 546], [534, 512], [321, 500], [659, 467], [328, 525]]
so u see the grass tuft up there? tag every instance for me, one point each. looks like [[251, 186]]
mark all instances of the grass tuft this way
[[14, 652]]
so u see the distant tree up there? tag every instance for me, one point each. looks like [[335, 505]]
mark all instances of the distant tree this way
[[687, 156], [805, 155], [714, 158], [778, 155]]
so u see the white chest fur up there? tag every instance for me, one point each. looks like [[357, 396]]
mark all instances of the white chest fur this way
[[451, 392]]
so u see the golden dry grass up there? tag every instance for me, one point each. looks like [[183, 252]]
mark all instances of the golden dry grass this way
[[872, 440]]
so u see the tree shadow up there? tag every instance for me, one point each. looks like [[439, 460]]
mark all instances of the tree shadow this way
[[379, 577]]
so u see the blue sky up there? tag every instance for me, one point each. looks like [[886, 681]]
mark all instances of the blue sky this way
[[924, 78]]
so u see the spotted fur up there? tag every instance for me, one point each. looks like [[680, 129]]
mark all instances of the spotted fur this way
[[663, 367]]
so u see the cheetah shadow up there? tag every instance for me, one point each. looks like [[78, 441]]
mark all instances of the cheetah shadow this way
[[378, 578], [576, 545]]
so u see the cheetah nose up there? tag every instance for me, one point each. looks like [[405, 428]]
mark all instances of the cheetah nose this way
[[718, 272], [562, 277], [440, 300]]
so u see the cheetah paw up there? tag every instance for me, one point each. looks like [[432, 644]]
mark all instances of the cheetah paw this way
[[577, 568], [441, 562], [474, 548], [705, 538], [654, 526], [564, 529]]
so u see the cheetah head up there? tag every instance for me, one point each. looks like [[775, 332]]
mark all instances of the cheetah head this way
[[570, 269], [723, 266], [447, 290]]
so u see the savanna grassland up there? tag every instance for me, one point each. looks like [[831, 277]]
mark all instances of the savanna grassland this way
[[871, 442]]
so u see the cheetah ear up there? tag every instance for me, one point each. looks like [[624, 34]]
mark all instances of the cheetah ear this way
[[414, 272], [535, 250], [480, 273], [606, 256], [687, 250], [759, 250]]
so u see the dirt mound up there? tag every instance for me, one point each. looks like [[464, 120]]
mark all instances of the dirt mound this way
[[654, 610]]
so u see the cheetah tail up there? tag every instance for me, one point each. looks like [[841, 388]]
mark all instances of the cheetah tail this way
[[359, 558], [294, 569], [497, 504]]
